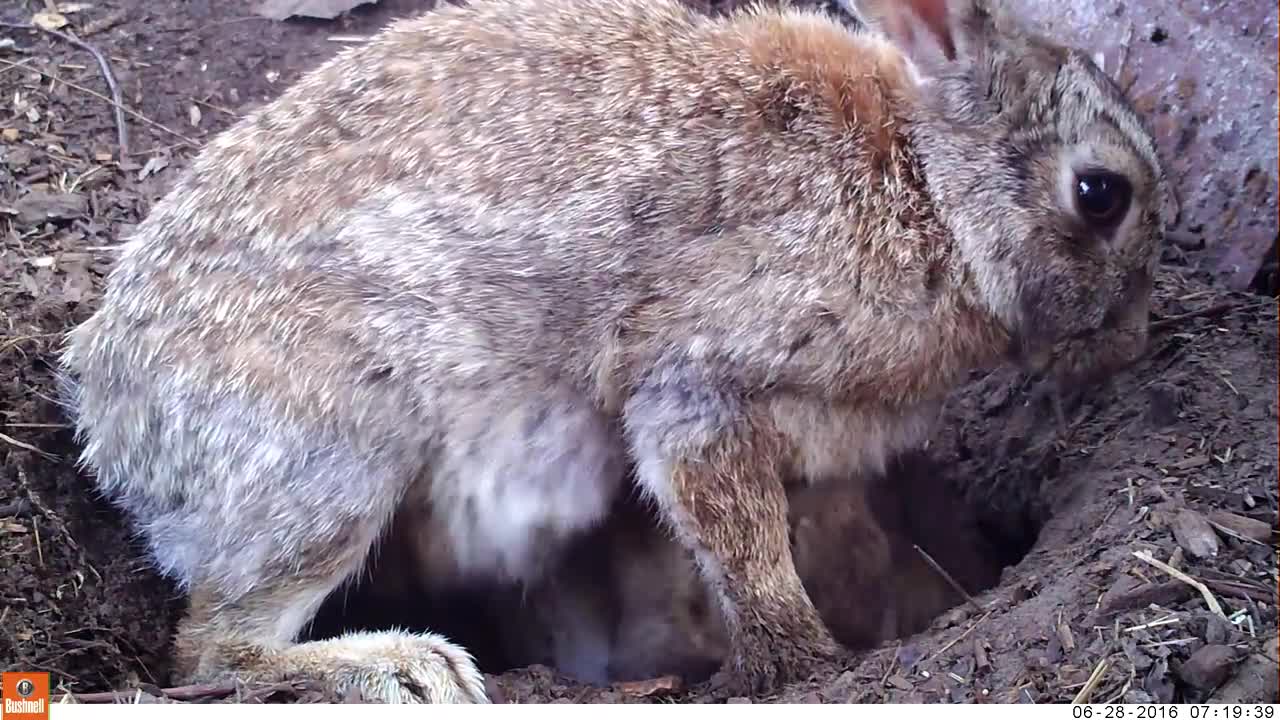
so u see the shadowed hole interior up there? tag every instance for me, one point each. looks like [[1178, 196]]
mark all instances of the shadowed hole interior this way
[[920, 504]]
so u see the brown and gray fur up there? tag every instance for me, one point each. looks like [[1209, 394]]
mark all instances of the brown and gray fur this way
[[626, 604], [857, 547], [483, 259]]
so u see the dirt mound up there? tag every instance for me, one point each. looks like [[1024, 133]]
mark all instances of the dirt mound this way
[[1175, 459]]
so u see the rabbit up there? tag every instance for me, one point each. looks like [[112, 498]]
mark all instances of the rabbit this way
[[626, 604], [925, 513], [483, 259], [844, 559], [669, 622], [625, 601], [858, 550]]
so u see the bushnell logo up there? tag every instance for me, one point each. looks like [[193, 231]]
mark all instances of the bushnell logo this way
[[26, 696]]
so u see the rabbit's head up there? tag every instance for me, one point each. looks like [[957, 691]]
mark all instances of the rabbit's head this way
[[1042, 170]]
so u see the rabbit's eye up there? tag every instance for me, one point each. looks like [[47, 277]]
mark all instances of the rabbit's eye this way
[[1103, 198]]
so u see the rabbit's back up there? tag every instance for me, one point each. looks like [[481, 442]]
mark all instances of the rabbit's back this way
[[528, 183]]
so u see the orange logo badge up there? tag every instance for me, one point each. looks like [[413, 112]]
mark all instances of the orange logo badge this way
[[26, 696]]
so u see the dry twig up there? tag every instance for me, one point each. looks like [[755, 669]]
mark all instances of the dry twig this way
[[950, 580], [1177, 574], [1247, 591], [1211, 311], [25, 446], [1095, 679], [117, 100], [184, 693], [94, 93], [958, 638]]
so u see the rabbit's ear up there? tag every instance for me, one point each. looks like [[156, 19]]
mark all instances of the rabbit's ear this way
[[930, 32]]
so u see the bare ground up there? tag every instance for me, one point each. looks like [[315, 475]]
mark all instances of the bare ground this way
[[1174, 458]]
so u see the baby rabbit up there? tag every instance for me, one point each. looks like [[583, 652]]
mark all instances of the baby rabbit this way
[[484, 258], [626, 604], [855, 549], [845, 561]]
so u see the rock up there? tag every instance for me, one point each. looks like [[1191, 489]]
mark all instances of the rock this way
[[37, 207], [322, 9], [1255, 680], [494, 690], [1194, 533], [1204, 76], [1237, 262], [1208, 667], [1243, 526]]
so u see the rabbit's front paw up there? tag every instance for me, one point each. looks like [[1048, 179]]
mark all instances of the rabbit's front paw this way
[[394, 667], [764, 663]]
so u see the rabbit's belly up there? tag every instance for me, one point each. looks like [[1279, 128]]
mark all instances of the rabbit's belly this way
[[509, 493], [834, 442]]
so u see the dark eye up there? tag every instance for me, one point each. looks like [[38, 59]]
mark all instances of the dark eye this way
[[1102, 198]]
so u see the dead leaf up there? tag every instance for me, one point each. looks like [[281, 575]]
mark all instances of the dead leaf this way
[[322, 9], [1255, 530], [49, 20], [1195, 534], [37, 207], [10, 134], [29, 285], [646, 688], [899, 682], [194, 115], [77, 285], [1159, 683], [1192, 463], [72, 8], [154, 164]]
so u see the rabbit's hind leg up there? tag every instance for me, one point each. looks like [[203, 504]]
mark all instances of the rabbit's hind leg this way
[[262, 579], [387, 666]]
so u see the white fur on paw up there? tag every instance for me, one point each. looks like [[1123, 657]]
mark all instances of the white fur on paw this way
[[397, 667]]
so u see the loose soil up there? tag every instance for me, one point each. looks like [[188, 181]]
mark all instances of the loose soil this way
[[1171, 459]]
